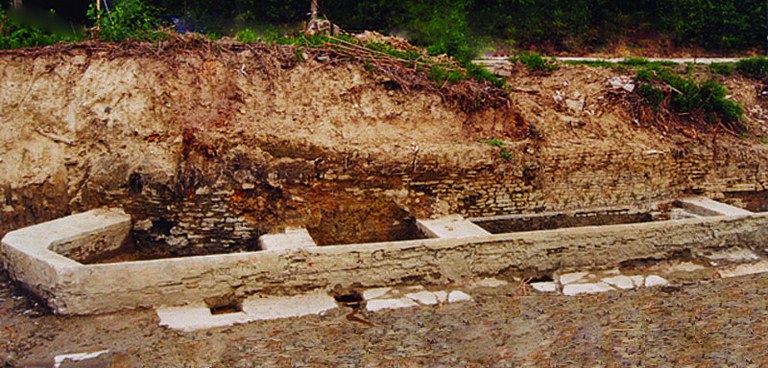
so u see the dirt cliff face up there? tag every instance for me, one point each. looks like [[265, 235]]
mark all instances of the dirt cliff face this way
[[210, 146]]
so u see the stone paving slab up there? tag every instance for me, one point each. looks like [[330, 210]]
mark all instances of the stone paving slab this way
[[411, 296], [199, 316], [292, 238], [451, 227], [706, 207]]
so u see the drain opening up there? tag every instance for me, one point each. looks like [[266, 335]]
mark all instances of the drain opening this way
[[352, 299], [545, 278], [224, 305]]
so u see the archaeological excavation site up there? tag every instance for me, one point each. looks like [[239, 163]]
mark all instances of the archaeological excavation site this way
[[209, 203]]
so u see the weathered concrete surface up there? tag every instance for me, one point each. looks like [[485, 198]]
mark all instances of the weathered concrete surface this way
[[36, 256], [198, 317], [73, 288], [451, 227], [293, 238], [703, 206]]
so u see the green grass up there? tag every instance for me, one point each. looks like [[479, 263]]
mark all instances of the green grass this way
[[592, 63], [495, 142], [724, 69], [633, 63], [535, 62], [756, 67]]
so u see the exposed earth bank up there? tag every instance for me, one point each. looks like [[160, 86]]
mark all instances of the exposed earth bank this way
[[210, 145]]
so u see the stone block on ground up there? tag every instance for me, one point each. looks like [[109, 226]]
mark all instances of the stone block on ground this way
[[703, 206], [451, 227], [593, 288], [292, 238], [744, 270]]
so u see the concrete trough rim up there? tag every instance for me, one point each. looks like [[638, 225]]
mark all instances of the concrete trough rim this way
[[289, 266]]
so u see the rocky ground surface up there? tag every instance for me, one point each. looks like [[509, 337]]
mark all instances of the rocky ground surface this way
[[716, 323]]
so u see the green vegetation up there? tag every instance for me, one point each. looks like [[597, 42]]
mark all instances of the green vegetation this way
[[128, 19], [459, 28], [592, 63], [651, 95], [503, 153], [247, 35], [19, 30], [753, 67], [687, 96], [721, 68], [632, 62], [439, 73], [534, 62]]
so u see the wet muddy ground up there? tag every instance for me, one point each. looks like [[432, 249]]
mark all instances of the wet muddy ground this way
[[707, 324]]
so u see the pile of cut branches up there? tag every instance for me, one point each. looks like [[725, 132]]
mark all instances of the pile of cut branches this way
[[413, 70]]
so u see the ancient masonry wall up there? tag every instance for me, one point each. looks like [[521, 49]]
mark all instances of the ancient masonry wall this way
[[231, 215]]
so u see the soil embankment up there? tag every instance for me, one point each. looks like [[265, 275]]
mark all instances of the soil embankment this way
[[210, 145]]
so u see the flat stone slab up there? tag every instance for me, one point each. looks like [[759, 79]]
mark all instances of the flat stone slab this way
[[592, 288], [199, 317], [703, 206], [570, 278], [620, 282], [379, 304], [490, 282], [451, 227], [655, 280], [293, 238], [737, 255], [544, 287], [744, 270], [77, 357], [394, 298]]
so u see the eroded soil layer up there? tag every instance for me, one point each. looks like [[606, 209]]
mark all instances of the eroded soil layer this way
[[209, 147]]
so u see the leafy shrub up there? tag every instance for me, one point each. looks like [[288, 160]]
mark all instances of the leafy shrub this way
[[635, 62], [753, 67], [246, 35], [591, 63], [442, 26], [482, 74], [535, 62], [20, 32], [715, 25], [440, 75], [128, 19], [652, 96], [689, 96], [721, 68]]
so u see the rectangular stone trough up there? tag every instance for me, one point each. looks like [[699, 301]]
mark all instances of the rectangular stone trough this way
[[46, 258]]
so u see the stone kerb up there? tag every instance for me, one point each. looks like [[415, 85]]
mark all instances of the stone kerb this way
[[292, 238], [73, 288], [703, 206], [40, 257], [451, 227]]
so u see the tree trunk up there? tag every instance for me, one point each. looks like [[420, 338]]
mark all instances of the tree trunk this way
[[17, 3]]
